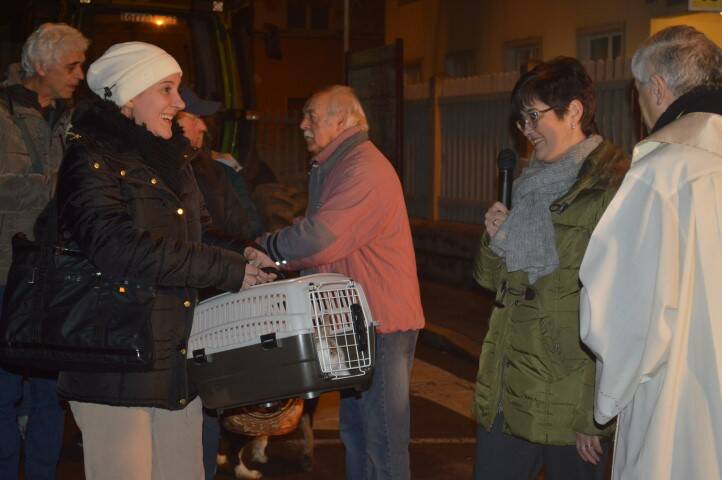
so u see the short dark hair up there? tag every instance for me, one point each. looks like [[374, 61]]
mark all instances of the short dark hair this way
[[556, 83]]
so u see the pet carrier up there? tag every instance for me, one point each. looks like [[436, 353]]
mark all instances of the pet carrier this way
[[284, 339]]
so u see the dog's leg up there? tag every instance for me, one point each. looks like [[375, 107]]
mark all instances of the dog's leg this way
[[242, 472], [258, 449], [309, 410], [307, 429]]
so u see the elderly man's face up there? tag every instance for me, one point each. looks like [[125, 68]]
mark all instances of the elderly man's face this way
[[320, 128], [61, 79], [194, 128]]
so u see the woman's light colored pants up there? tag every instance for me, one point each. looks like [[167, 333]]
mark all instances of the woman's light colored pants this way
[[140, 443]]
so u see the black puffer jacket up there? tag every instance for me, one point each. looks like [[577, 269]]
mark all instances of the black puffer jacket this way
[[128, 221], [223, 204]]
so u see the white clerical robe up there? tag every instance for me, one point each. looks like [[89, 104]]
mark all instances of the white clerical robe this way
[[651, 307]]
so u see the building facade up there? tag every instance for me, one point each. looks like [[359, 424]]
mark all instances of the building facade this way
[[310, 40], [472, 37]]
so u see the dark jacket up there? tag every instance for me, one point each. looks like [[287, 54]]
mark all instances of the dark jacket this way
[[127, 220], [532, 361], [239, 184], [223, 204], [23, 191]]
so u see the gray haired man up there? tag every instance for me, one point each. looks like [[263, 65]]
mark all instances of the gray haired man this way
[[33, 119], [651, 307]]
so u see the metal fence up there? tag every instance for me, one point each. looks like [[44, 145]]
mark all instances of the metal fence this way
[[473, 126], [474, 129], [280, 144], [417, 156]]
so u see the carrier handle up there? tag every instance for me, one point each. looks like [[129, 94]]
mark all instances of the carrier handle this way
[[279, 274], [359, 327]]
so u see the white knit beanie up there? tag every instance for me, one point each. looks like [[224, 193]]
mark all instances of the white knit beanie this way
[[127, 69]]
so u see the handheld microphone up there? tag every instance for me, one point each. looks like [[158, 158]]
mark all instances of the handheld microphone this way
[[506, 161]]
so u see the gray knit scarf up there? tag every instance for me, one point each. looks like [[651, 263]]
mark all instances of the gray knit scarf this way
[[526, 239]]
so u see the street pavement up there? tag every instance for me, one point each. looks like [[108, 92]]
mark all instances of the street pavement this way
[[442, 429], [456, 319]]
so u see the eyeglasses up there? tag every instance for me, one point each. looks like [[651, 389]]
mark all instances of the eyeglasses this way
[[530, 118]]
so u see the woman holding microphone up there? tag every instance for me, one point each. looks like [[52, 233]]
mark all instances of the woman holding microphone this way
[[535, 383]]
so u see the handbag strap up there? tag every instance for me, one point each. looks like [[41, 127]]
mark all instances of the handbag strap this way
[[37, 165]]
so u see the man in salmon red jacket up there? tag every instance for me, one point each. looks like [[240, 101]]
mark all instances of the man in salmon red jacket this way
[[356, 224]]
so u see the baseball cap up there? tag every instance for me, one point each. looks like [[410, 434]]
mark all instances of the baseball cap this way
[[196, 105]]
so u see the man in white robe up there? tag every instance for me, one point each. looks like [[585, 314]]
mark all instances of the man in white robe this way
[[651, 307]]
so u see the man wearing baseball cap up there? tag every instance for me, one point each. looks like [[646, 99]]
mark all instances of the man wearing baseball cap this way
[[218, 175]]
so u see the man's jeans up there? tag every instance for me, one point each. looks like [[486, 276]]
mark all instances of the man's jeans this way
[[211, 440], [375, 426], [44, 434]]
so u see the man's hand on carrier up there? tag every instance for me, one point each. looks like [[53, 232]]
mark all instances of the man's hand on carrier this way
[[257, 258], [256, 276]]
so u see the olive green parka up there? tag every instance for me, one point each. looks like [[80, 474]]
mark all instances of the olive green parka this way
[[532, 364]]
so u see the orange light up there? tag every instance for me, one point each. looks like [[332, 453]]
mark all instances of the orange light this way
[[157, 20]]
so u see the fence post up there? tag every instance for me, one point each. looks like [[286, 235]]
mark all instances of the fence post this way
[[436, 85]]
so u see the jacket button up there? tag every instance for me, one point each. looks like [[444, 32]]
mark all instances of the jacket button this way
[[182, 402], [96, 165], [153, 181], [183, 351], [187, 304], [179, 211]]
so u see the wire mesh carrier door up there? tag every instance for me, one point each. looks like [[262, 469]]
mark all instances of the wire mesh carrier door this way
[[292, 338]]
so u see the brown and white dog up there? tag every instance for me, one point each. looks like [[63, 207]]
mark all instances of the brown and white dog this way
[[234, 442]]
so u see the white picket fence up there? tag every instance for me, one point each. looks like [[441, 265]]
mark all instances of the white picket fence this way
[[600, 71]]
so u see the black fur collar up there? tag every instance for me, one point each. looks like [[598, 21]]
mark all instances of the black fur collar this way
[[102, 121]]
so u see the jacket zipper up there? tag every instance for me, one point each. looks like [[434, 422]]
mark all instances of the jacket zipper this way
[[498, 401]]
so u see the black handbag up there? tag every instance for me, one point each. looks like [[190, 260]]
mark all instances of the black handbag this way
[[60, 313]]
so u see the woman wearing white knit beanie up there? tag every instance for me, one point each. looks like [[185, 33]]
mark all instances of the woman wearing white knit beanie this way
[[129, 202], [131, 75]]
